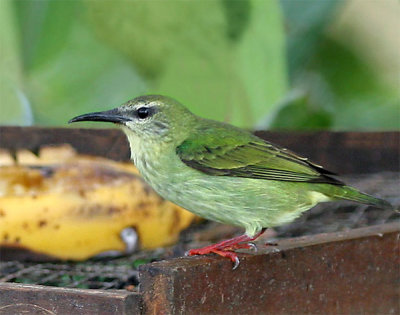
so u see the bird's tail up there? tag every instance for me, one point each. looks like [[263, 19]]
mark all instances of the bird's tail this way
[[352, 194]]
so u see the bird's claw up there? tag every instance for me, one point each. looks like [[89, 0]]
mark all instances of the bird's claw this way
[[236, 262], [252, 246]]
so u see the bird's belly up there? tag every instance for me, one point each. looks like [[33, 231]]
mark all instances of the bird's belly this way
[[245, 202]]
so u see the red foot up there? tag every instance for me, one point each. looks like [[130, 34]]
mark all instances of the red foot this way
[[225, 248]]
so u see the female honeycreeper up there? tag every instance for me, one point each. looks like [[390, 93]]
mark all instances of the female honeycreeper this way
[[221, 172]]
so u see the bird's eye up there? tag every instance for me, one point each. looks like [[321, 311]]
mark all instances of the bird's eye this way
[[143, 112]]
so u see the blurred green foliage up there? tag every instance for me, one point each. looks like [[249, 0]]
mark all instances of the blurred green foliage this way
[[14, 110], [335, 88], [255, 63]]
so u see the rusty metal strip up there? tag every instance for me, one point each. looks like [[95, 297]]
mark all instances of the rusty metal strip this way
[[356, 272]]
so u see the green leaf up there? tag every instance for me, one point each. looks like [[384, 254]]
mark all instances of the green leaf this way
[[238, 15], [260, 62], [306, 22], [225, 60], [44, 27], [147, 32], [338, 87], [362, 100], [300, 114], [15, 109], [84, 76]]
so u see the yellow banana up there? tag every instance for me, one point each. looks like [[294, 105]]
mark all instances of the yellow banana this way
[[75, 207]]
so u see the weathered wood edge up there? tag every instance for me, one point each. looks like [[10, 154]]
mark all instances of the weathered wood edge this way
[[36, 299], [350, 272]]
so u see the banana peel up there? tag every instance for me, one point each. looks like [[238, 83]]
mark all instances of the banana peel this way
[[74, 207]]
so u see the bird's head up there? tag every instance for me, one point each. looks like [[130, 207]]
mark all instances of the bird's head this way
[[150, 118]]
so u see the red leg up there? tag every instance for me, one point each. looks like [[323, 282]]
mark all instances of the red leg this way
[[225, 248]]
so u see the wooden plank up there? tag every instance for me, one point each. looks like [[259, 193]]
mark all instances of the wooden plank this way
[[344, 152], [356, 272], [109, 143], [341, 152], [36, 299]]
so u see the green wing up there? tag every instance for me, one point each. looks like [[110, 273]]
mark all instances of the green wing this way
[[227, 151]]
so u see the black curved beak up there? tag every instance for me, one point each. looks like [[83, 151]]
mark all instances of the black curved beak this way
[[112, 115]]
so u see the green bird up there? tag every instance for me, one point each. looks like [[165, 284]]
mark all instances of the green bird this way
[[220, 172]]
